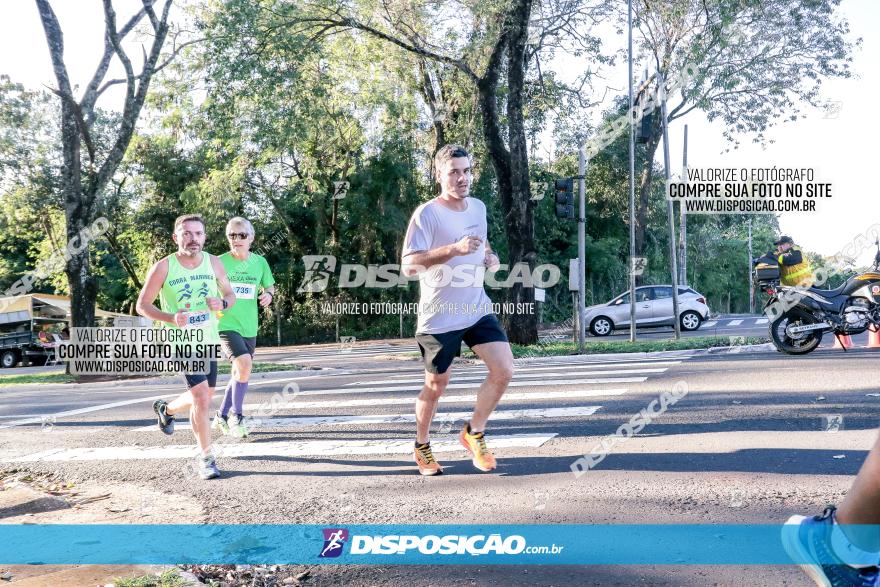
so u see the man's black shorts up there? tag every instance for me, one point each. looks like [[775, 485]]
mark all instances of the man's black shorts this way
[[439, 349], [236, 345], [193, 379]]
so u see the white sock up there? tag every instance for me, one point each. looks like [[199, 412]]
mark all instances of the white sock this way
[[848, 552]]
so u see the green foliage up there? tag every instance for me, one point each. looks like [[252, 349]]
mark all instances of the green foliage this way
[[169, 578], [265, 116], [624, 346]]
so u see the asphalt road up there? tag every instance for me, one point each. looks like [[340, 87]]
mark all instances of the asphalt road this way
[[757, 438], [733, 326]]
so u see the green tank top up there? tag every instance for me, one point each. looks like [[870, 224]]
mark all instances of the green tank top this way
[[186, 289]]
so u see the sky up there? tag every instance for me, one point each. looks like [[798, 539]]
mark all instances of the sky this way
[[835, 142], [838, 147]]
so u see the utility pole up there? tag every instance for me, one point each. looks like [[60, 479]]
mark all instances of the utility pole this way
[[751, 282], [582, 244], [670, 209], [682, 231], [632, 183]]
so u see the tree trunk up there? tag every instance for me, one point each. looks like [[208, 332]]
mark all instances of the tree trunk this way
[[519, 213], [512, 167], [83, 289], [646, 178], [76, 123]]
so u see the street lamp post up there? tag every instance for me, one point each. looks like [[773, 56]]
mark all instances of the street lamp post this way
[[632, 183]]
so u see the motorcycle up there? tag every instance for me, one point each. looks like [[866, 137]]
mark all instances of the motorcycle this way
[[800, 316]]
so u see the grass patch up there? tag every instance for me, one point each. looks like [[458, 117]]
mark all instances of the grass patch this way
[[166, 579], [224, 367], [593, 347], [36, 378]]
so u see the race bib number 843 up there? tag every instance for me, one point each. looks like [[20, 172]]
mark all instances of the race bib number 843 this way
[[198, 319]]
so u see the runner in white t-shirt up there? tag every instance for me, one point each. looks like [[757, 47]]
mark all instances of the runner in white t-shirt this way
[[446, 246]]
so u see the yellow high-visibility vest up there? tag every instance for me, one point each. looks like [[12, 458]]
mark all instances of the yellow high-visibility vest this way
[[796, 274]]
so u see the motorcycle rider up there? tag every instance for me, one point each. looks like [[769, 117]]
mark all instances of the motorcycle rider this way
[[794, 266]]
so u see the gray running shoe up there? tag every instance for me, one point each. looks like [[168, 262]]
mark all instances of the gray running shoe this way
[[166, 420], [207, 467]]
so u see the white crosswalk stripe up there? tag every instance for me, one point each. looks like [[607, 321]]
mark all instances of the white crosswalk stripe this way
[[577, 366], [393, 388], [527, 375], [312, 448], [735, 322], [445, 399], [542, 396], [408, 418], [350, 351]]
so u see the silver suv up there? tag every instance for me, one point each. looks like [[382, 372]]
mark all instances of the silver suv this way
[[653, 308]]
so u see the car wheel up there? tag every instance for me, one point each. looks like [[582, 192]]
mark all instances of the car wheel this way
[[690, 320], [8, 359], [601, 326]]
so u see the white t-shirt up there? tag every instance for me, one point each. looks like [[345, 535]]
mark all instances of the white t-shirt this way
[[451, 295]]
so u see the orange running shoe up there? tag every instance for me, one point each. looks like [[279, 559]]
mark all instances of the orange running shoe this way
[[428, 466], [476, 446]]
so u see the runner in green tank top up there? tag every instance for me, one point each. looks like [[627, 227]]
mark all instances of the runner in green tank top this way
[[248, 273], [192, 287]]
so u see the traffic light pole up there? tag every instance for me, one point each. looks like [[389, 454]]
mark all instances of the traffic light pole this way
[[632, 183], [670, 210], [582, 244]]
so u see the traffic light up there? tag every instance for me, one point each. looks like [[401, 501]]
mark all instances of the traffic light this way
[[564, 198], [644, 132]]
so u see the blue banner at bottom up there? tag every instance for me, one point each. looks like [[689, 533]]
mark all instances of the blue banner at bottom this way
[[674, 544]]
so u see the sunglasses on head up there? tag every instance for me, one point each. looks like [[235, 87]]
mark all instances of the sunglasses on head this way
[[239, 235]]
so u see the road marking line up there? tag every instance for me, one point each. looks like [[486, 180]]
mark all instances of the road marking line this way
[[317, 448], [304, 421], [181, 387], [762, 321], [40, 419], [548, 366], [590, 381], [360, 352], [517, 375], [267, 382], [445, 399], [710, 324], [734, 322]]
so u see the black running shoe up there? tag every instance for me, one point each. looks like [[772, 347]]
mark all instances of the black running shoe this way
[[166, 420]]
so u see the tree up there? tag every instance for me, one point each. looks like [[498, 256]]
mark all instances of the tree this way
[[83, 181], [756, 65], [494, 57]]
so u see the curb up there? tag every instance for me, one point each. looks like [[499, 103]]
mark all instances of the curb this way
[[767, 347]]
